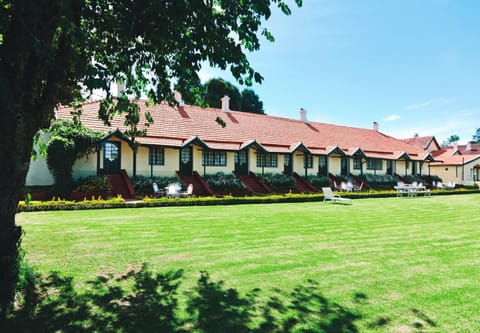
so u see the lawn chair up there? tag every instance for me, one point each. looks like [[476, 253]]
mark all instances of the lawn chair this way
[[358, 188], [450, 186], [188, 192], [328, 195], [157, 192]]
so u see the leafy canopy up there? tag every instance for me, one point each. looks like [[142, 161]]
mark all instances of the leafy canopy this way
[[476, 136], [211, 93], [148, 44], [68, 142]]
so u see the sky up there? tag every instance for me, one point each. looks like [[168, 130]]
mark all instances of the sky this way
[[412, 66]]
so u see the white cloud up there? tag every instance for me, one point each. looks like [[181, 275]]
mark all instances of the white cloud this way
[[432, 102], [391, 117]]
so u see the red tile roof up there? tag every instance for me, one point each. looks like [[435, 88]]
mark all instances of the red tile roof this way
[[470, 149], [174, 125], [421, 142], [450, 156]]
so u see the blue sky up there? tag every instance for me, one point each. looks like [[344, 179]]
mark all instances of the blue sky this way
[[413, 66]]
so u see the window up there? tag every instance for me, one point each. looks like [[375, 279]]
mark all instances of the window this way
[[185, 155], [111, 151], [241, 157], [156, 156], [374, 164], [357, 163], [214, 158], [308, 161], [266, 160]]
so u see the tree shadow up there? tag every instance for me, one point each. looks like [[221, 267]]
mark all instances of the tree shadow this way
[[143, 301], [420, 322]]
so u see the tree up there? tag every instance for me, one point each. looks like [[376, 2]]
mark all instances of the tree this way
[[476, 136], [453, 138], [68, 142], [50, 50], [210, 94], [216, 88], [251, 102]]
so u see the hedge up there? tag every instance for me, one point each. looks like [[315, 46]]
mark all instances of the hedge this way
[[206, 201]]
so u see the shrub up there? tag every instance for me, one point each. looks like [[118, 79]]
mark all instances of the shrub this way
[[94, 184], [432, 178], [318, 181], [379, 181], [69, 142], [278, 181], [223, 182]]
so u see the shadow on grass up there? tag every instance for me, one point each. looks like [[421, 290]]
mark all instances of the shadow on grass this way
[[143, 301]]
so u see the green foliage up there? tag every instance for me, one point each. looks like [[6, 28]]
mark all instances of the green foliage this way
[[217, 88], [52, 51], [223, 182], [68, 142], [431, 178], [94, 184], [318, 181], [476, 136], [251, 102], [278, 181], [212, 91], [453, 138], [28, 198], [378, 181]]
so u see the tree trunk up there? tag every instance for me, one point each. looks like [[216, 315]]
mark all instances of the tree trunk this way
[[16, 145], [40, 63]]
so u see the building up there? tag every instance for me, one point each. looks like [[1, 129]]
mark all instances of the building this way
[[187, 140], [457, 163]]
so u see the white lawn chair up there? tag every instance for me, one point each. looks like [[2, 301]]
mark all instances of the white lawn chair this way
[[157, 192], [188, 192], [358, 188], [450, 186], [328, 195], [349, 186]]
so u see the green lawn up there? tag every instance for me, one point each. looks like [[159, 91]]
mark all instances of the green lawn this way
[[416, 261]]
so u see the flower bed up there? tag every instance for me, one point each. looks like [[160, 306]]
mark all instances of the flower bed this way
[[81, 196]]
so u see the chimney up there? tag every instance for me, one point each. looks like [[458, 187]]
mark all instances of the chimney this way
[[225, 103], [121, 87], [303, 116], [178, 97], [375, 126], [469, 146], [455, 145]]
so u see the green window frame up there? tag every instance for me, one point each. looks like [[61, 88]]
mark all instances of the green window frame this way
[[241, 157], [357, 163], [214, 158], [374, 164], [267, 160], [156, 156]]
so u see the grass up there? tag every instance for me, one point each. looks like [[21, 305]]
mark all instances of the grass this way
[[414, 262]]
